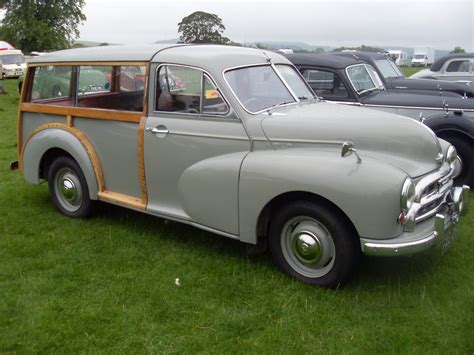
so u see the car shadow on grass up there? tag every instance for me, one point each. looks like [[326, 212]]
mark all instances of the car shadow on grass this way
[[375, 271]]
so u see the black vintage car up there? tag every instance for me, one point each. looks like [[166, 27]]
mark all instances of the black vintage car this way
[[393, 78], [352, 81]]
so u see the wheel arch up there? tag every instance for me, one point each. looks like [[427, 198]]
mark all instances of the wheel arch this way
[[53, 140], [280, 200]]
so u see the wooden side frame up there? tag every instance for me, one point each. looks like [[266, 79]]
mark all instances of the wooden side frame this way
[[91, 113]]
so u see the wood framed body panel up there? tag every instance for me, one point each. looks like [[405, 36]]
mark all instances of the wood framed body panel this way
[[73, 112]]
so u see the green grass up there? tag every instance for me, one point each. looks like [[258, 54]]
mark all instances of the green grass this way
[[409, 71], [107, 284]]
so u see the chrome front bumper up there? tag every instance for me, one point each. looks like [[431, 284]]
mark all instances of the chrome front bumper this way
[[438, 232]]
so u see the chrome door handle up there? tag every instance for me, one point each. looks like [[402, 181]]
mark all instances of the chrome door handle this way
[[161, 130]]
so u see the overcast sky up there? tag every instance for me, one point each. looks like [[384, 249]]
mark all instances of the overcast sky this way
[[434, 23]]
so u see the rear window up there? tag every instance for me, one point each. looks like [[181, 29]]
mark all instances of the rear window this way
[[99, 86], [52, 84]]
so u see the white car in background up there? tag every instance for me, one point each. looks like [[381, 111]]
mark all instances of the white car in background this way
[[454, 67]]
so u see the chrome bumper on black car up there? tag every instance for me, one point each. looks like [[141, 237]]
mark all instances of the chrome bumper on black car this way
[[438, 233]]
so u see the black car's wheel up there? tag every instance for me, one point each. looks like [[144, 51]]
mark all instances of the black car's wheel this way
[[465, 154], [68, 188], [312, 243]]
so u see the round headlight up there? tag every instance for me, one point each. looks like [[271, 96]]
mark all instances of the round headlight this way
[[408, 195]]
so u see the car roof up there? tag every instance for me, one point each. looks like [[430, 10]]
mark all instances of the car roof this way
[[104, 53], [362, 55], [437, 65], [211, 57], [324, 59]]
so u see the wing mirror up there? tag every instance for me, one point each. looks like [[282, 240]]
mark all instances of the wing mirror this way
[[347, 149]]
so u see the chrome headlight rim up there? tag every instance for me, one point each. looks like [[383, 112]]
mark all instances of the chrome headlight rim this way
[[452, 158], [451, 154], [408, 195]]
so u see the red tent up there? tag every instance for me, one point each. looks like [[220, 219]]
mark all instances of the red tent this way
[[5, 46]]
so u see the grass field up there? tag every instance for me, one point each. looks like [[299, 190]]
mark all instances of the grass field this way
[[409, 71], [107, 284]]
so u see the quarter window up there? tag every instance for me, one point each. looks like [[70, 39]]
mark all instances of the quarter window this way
[[187, 90], [52, 85]]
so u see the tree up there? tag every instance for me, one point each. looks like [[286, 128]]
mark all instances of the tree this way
[[202, 27], [39, 25], [458, 50], [362, 48]]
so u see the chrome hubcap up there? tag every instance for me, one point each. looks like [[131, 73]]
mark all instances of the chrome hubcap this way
[[68, 189], [308, 246]]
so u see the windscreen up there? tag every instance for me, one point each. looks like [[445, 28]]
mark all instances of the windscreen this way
[[361, 79], [12, 59], [293, 79], [258, 88], [386, 68]]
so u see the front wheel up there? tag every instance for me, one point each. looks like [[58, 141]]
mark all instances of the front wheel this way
[[314, 244], [68, 188]]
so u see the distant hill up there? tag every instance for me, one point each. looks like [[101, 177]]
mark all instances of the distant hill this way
[[90, 44], [288, 44], [167, 41]]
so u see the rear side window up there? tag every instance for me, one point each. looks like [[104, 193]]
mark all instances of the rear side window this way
[[187, 90], [52, 85], [94, 80], [99, 86], [462, 66], [325, 84], [111, 87]]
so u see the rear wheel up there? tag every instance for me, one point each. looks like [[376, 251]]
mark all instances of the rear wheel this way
[[68, 188], [314, 244]]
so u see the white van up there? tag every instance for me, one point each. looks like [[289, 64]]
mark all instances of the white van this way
[[12, 63], [399, 57]]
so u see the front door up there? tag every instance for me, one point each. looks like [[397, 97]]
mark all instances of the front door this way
[[194, 145]]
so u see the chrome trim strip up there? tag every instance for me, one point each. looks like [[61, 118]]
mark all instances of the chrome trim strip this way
[[192, 134], [421, 107], [276, 140]]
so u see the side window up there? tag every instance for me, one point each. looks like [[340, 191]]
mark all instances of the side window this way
[[325, 84], [187, 90], [52, 85], [132, 78], [94, 79], [462, 66], [111, 87]]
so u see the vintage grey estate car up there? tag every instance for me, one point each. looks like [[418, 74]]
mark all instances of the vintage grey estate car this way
[[453, 67], [394, 80], [354, 82], [233, 141]]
